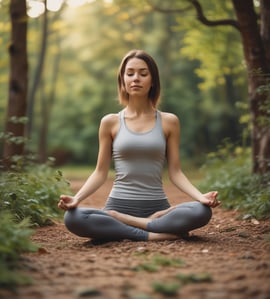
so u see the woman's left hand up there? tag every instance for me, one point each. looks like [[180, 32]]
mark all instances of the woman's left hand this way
[[210, 199]]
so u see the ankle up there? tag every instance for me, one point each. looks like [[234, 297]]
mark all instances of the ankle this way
[[161, 237]]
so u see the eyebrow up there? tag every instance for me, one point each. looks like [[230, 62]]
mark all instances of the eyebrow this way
[[141, 69]]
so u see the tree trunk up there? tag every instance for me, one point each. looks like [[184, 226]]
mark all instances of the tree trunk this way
[[38, 72], [255, 40], [17, 82], [46, 107], [44, 125]]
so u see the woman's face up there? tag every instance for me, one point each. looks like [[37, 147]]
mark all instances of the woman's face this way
[[137, 78]]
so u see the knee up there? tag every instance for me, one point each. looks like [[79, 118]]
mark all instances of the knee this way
[[203, 212], [72, 221]]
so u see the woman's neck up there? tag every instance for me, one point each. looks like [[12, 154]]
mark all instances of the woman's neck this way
[[139, 108]]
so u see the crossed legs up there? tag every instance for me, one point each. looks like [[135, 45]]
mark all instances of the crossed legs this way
[[169, 224], [97, 224]]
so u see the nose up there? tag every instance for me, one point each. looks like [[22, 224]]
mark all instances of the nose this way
[[136, 77]]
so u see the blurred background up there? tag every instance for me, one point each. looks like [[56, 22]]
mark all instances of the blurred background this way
[[58, 77], [74, 50]]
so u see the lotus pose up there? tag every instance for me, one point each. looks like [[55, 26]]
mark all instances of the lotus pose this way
[[139, 139]]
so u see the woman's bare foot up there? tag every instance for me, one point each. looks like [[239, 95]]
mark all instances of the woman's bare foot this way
[[161, 237], [141, 223], [130, 220]]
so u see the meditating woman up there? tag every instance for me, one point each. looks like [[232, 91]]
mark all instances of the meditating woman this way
[[139, 139]]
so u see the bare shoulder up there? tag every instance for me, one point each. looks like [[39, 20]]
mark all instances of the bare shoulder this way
[[110, 124], [170, 124], [110, 119], [169, 119]]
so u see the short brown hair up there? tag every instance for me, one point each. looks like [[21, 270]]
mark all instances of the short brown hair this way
[[154, 92]]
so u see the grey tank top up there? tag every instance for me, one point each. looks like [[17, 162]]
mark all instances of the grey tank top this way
[[138, 161]]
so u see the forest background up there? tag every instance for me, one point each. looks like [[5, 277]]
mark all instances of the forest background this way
[[74, 48], [202, 70]]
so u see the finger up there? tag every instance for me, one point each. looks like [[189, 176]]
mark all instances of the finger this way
[[214, 195], [217, 203]]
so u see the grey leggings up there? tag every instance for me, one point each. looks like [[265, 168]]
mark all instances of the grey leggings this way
[[97, 224]]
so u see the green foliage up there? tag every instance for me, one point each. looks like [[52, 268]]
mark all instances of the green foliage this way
[[157, 261], [166, 289], [32, 193], [229, 172], [172, 288], [79, 83], [29, 192], [194, 278], [9, 137], [264, 89], [14, 239], [4, 62], [215, 62]]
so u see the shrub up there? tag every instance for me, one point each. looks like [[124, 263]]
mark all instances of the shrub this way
[[29, 192], [14, 239], [32, 193], [229, 171]]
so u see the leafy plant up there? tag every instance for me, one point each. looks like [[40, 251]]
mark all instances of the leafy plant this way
[[166, 289], [194, 278], [14, 239], [32, 193], [229, 171], [157, 261], [29, 193]]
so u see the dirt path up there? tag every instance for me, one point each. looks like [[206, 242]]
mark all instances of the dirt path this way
[[229, 259]]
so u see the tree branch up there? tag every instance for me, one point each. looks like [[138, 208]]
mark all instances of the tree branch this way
[[200, 14], [202, 18]]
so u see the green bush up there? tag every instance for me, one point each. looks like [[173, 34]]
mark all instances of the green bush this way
[[229, 171], [14, 239], [29, 192], [32, 193]]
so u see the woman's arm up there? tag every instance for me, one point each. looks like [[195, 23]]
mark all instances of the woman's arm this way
[[99, 176], [171, 128]]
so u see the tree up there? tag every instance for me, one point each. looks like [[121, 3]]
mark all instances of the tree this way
[[255, 33], [254, 27], [14, 125], [38, 70]]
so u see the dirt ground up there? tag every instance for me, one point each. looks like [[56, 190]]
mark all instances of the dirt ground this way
[[227, 259]]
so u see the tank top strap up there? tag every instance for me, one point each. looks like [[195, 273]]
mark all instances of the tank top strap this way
[[158, 120], [121, 117], [121, 114], [158, 116]]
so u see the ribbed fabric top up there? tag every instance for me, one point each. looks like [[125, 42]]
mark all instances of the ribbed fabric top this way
[[139, 160]]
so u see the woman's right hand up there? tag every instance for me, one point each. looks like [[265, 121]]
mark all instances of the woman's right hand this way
[[67, 202]]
